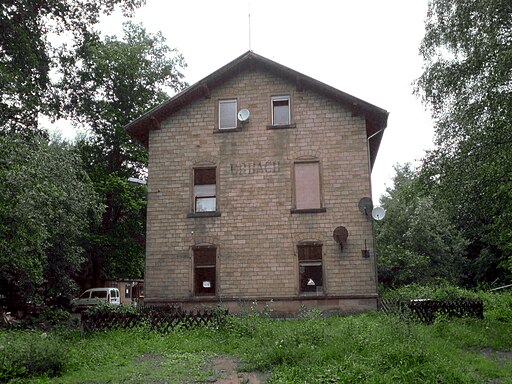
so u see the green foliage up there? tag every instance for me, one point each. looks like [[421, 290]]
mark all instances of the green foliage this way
[[370, 348], [497, 306], [31, 353], [28, 56], [429, 291], [104, 85], [467, 85], [416, 242], [55, 316], [46, 200]]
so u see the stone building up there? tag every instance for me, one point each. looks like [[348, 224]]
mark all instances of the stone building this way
[[251, 170]]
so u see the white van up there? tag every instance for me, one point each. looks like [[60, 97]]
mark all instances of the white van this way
[[96, 296]]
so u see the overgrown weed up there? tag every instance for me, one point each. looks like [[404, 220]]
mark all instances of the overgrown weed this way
[[370, 348]]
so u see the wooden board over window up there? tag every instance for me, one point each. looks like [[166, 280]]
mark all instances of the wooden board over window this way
[[203, 176], [307, 185]]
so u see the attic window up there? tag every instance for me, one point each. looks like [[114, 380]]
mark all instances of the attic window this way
[[227, 114], [281, 110]]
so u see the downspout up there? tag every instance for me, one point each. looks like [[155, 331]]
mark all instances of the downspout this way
[[371, 195]]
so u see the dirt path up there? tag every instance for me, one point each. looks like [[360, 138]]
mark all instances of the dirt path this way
[[225, 369]]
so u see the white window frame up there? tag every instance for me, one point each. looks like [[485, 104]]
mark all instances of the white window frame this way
[[228, 101], [281, 98], [204, 192]]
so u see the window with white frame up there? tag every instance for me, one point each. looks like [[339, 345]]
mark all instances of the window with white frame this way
[[281, 110], [205, 190], [227, 114]]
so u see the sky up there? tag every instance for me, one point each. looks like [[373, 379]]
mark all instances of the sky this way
[[367, 48]]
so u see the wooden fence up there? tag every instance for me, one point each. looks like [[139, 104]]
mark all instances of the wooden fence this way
[[161, 319], [427, 311]]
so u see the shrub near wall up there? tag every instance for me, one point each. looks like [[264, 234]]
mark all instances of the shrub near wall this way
[[31, 353], [158, 318], [496, 305]]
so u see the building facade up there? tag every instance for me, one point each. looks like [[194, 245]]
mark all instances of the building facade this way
[[251, 171]]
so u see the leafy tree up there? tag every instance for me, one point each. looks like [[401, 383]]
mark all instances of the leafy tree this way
[[416, 242], [46, 199], [467, 82], [27, 55], [112, 82]]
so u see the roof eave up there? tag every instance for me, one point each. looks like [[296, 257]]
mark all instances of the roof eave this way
[[376, 118]]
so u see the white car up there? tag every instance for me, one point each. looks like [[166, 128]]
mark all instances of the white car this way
[[96, 296]]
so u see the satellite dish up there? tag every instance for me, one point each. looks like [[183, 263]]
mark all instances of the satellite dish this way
[[243, 114], [340, 235], [365, 205], [378, 213], [134, 180]]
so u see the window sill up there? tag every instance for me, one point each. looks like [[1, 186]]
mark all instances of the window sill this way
[[310, 210], [203, 214], [284, 126], [227, 130], [199, 297], [312, 294]]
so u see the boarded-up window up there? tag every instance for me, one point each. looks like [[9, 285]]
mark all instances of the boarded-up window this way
[[227, 114], [204, 271], [205, 190], [307, 185], [280, 110], [310, 268]]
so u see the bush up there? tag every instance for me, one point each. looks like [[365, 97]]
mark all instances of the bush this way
[[30, 353], [497, 305], [441, 291], [106, 308]]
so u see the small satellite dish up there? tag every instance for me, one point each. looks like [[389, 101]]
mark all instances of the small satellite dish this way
[[365, 205], [133, 180], [340, 235], [378, 213], [243, 114]]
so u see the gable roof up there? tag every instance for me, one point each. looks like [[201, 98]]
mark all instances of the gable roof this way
[[376, 118]]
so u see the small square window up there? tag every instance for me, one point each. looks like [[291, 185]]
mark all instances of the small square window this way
[[227, 114], [281, 110], [205, 190]]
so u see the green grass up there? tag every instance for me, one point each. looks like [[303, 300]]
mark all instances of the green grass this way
[[369, 348]]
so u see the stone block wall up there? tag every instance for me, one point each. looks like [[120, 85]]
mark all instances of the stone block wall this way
[[256, 235]]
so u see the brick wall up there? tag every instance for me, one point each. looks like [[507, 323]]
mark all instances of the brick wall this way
[[256, 235]]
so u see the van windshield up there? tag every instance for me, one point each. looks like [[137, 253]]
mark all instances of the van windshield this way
[[100, 294], [85, 295]]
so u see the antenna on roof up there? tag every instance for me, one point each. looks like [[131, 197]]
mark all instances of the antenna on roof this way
[[249, 10]]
